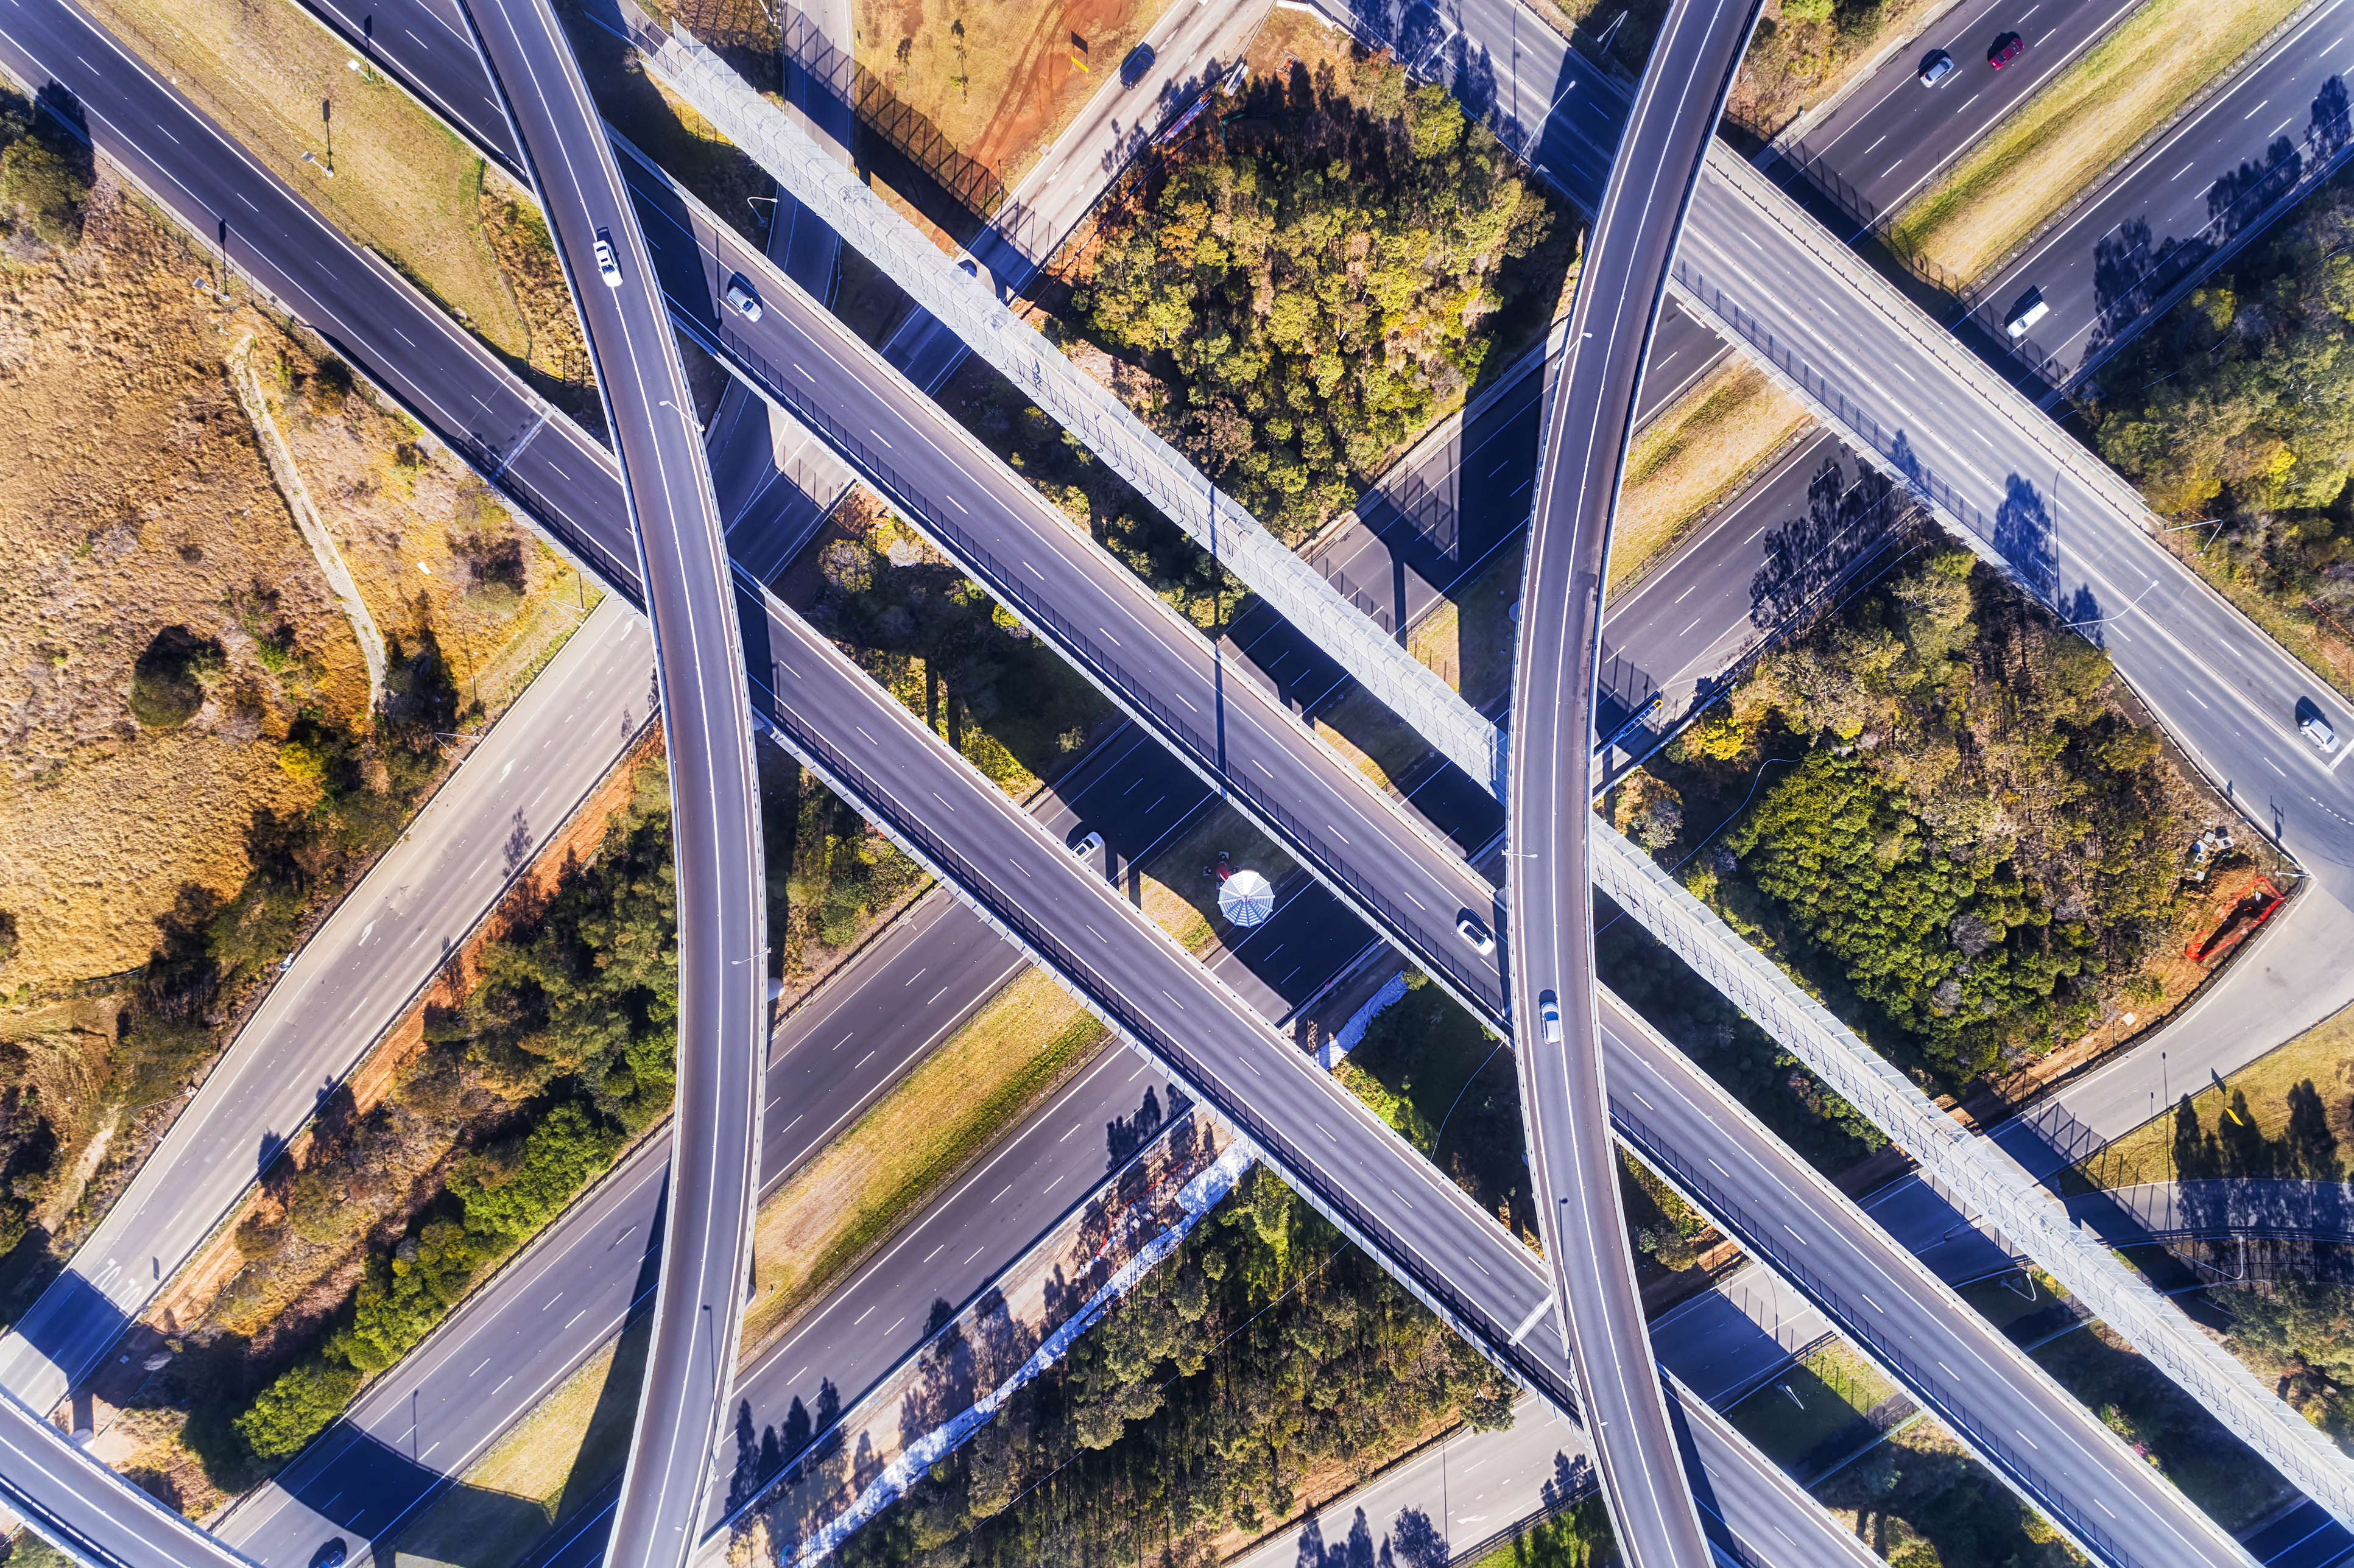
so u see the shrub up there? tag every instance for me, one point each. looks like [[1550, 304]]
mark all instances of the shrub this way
[[47, 189], [167, 680], [297, 1407]]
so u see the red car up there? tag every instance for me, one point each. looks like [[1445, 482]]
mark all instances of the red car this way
[[2006, 49]]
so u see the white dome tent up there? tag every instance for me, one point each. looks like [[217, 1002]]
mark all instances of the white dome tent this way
[[1244, 896]]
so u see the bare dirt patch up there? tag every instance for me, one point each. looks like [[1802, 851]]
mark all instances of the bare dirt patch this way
[[997, 81]]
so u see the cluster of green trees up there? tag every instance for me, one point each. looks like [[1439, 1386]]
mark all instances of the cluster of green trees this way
[[1966, 835], [44, 172], [1266, 1347], [2239, 406], [2299, 1334], [573, 1027], [1318, 276]]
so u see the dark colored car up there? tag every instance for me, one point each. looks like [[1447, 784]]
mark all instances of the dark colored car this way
[[1937, 68], [330, 1556], [1139, 60], [2006, 49]]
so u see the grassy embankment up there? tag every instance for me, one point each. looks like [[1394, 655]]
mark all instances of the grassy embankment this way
[[2076, 126], [403, 185]]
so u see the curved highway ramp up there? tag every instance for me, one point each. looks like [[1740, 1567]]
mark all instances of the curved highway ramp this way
[[715, 793]]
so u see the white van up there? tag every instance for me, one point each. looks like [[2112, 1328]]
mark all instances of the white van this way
[[2029, 310]]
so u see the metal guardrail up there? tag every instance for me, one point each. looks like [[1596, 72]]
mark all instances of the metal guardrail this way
[[1161, 475], [1104, 996], [1850, 416], [1975, 1173], [1759, 1241], [1007, 587]]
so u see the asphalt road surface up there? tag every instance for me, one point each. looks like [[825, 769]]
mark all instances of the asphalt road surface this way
[[373, 955], [1461, 1491], [1892, 135], [262, 189], [2082, 267], [78, 1504], [1564, 1105], [1193, 45], [715, 791]]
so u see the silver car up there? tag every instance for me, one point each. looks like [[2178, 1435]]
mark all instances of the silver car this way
[[608, 267], [1549, 1012], [742, 299], [1937, 68]]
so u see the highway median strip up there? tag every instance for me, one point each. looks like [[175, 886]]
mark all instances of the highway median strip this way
[[2076, 127]]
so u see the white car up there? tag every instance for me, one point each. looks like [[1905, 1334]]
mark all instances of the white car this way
[[2316, 730], [742, 299], [1468, 927], [608, 267], [1549, 1012], [1090, 846]]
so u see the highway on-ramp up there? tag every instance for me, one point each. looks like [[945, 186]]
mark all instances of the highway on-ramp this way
[[595, 525], [721, 879], [373, 955], [1573, 1160]]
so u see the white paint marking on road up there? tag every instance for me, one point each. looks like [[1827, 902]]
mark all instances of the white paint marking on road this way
[[1687, 631], [2184, 170], [1020, 867], [1871, 1303], [2274, 766], [2250, 114], [935, 1252], [879, 436], [2029, 1441], [1688, 592], [486, 1362], [2196, 698], [1001, 1192], [1180, 1006], [870, 740], [958, 506]]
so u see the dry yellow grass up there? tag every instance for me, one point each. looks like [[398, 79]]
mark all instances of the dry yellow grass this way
[[2324, 1053], [1700, 450], [843, 1204], [997, 81], [403, 185], [133, 497], [569, 1444], [2076, 126]]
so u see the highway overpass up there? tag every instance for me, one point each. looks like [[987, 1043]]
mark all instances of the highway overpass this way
[[720, 874], [1556, 1009]]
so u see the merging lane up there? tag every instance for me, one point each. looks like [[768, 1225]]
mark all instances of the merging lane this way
[[1759, 1487], [715, 790]]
